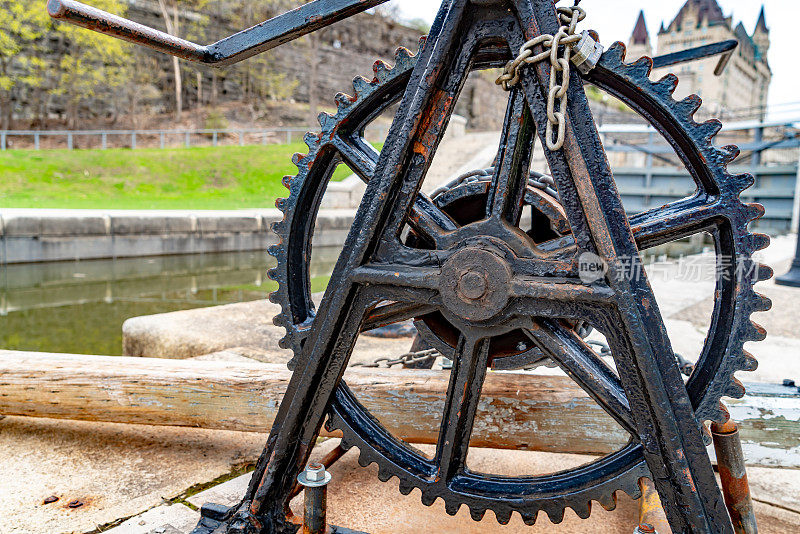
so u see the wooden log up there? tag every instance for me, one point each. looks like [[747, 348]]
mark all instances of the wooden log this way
[[520, 411]]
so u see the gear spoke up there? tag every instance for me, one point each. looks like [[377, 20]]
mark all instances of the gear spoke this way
[[395, 312], [584, 366], [401, 276], [359, 155], [511, 172], [463, 394], [673, 221], [425, 217], [555, 290]]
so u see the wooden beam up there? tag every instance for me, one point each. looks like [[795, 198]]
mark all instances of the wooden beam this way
[[520, 411]]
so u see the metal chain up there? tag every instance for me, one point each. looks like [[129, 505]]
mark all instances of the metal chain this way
[[407, 358], [535, 179], [559, 69]]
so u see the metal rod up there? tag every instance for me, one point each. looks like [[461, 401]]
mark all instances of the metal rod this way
[[724, 48], [651, 514], [792, 277], [733, 476], [328, 460], [242, 45], [315, 481]]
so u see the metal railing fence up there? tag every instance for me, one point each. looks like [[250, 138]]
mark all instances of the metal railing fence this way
[[157, 138]]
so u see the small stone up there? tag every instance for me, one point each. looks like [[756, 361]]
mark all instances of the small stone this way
[[51, 498]]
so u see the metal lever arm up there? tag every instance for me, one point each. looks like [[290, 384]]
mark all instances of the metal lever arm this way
[[259, 38], [724, 49]]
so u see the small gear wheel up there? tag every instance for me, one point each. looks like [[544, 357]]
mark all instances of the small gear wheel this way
[[714, 208]]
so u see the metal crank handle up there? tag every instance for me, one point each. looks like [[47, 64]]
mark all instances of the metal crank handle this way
[[259, 38]]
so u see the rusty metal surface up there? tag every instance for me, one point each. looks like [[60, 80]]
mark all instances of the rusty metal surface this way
[[473, 279], [733, 477]]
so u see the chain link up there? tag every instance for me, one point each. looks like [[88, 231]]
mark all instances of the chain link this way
[[536, 179], [407, 358], [559, 70]]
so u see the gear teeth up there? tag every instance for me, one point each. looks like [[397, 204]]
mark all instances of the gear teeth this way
[[709, 129], [759, 241], [735, 389], [363, 459], [756, 332], [641, 68], [608, 502], [529, 518], [764, 272], [754, 211], [583, 510], [312, 141], [452, 507], [280, 203], [381, 70], [343, 101], [555, 514], [666, 86], [503, 516], [402, 57], [405, 487], [749, 362], [742, 181], [427, 499], [298, 157], [384, 475], [615, 53], [477, 514], [730, 153], [764, 303], [361, 85], [687, 107], [326, 121], [287, 181]]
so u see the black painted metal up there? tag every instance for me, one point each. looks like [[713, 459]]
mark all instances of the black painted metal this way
[[792, 276], [723, 48], [247, 43], [473, 281]]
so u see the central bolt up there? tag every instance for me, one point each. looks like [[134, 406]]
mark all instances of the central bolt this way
[[472, 285]]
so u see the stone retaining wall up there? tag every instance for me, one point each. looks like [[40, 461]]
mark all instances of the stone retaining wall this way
[[54, 235]]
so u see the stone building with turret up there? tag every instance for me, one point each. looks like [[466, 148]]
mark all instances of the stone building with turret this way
[[741, 91]]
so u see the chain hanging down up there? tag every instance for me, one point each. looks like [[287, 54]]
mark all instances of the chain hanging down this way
[[581, 49]]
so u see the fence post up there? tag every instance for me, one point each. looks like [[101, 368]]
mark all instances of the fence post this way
[[2, 140], [241, 138], [758, 139], [36, 141], [162, 139], [187, 139], [69, 140], [133, 140], [263, 138], [214, 138], [288, 137], [104, 140]]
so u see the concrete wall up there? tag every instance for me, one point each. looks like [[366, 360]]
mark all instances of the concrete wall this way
[[54, 235]]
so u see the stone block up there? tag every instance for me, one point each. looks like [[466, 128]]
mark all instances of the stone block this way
[[164, 519], [188, 333]]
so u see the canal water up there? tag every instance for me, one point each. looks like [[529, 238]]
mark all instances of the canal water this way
[[79, 307]]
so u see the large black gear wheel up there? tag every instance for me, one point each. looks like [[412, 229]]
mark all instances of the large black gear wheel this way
[[721, 357]]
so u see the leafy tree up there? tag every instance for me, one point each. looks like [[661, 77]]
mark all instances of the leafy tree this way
[[90, 64], [22, 24], [171, 11]]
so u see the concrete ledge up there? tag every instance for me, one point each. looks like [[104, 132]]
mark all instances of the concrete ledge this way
[[31, 235]]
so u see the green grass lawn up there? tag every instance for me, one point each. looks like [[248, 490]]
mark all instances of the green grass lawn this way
[[176, 178]]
